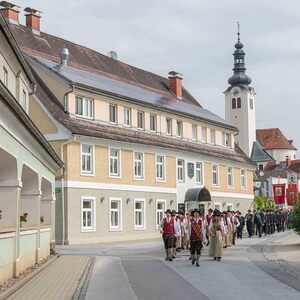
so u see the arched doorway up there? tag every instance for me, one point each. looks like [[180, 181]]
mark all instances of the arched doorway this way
[[196, 198]]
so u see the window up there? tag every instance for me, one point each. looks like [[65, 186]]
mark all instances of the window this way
[[127, 117], [139, 214], [84, 107], [260, 167], [251, 103], [153, 122], [160, 211], [113, 114], [5, 77], [169, 126], [233, 103], [140, 120], [24, 100], [212, 136], [179, 128], [203, 135], [87, 166], [215, 175], [88, 214], [239, 103], [225, 139], [138, 165], [243, 178], [180, 170], [114, 162], [218, 206], [194, 132], [199, 173], [229, 207], [230, 176], [115, 211], [160, 167]]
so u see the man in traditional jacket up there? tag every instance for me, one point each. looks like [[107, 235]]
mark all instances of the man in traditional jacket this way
[[207, 223], [167, 230], [250, 223], [197, 236], [239, 231]]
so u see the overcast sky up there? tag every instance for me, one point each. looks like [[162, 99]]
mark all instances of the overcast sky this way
[[196, 38]]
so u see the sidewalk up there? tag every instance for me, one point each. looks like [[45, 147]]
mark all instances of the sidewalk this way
[[62, 279]]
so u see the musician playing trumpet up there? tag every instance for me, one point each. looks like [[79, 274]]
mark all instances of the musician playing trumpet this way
[[197, 236]]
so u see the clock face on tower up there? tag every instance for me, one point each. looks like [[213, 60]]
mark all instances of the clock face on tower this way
[[236, 92]]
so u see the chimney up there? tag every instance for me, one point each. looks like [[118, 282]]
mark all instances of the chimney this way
[[10, 11], [175, 83], [64, 56], [288, 161], [33, 18]]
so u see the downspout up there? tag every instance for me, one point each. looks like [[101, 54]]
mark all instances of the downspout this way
[[63, 188]]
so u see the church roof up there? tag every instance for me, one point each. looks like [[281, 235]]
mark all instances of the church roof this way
[[273, 138], [258, 154]]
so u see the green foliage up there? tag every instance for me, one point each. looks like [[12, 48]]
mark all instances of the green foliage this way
[[263, 203], [294, 222]]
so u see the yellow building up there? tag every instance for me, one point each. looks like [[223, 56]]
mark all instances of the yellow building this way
[[133, 142]]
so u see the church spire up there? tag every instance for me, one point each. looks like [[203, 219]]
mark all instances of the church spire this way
[[239, 76]]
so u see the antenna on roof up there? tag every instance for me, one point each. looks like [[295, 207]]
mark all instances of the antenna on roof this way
[[112, 55]]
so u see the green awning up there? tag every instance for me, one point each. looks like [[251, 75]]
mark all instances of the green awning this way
[[197, 194]]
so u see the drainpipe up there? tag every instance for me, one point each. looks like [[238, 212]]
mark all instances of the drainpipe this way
[[62, 187]]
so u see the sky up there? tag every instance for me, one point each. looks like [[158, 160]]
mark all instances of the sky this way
[[195, 38]]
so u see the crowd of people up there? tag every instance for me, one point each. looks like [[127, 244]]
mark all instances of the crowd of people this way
[[217, 230]]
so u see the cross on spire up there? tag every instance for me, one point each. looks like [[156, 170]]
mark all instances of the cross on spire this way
[[238, 33]]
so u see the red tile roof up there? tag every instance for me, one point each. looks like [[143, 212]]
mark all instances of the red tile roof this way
[[273, 138], [48, 46]]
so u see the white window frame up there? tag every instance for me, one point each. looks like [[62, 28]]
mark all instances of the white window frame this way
[[120, 219], [115, 107], [84, 113], [179, 134], [143, 165], [5, 76], [229, 204], [232, 176], [182, 168], [218, 204], [112, 175], [163, 166], [224, 135], [245, 177], [157, 221], [92, 155], [93, 213], [212, 136], [217, 177], [128, 110], [167, 132], [143, 119], [203, 137], [143, 210], [202, 172], [155, 122], [194, 132]]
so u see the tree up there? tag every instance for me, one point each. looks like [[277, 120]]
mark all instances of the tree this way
[[263, 203], [294, 222]]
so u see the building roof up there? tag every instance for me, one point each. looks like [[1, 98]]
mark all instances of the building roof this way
[[258, 154], [273, 138], [294, 166], [79, 77], [89, 128], [49, 47]]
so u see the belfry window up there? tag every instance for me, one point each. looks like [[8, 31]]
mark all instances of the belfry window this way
[[239, 103], [233, 103]]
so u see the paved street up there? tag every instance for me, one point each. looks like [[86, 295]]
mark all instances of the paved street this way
[[267, 268]]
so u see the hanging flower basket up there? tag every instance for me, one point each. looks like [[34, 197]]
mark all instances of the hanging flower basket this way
[[23, 219], [42, 219]]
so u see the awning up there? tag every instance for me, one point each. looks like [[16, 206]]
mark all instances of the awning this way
[[197, 194]]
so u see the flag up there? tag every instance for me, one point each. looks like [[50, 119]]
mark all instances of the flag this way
[[292, 194], [279, 193]]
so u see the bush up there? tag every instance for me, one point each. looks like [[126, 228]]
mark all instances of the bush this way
[[263, 203], [294, 222]]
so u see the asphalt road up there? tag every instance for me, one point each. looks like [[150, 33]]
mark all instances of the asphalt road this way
[[138, 271]]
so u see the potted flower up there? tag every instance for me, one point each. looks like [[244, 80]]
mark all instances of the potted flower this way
[[42, 219], [23, 218]]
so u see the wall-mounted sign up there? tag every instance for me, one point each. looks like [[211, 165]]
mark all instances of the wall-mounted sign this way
[[292, 178], [191, 170]]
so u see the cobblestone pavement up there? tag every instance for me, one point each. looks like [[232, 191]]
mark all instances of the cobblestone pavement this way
[[61, 280]]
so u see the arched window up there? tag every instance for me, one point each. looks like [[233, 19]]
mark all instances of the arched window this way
[[239, 103], [233, 103]]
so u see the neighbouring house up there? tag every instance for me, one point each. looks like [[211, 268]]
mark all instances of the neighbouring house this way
[[28, 165], [134, 143]]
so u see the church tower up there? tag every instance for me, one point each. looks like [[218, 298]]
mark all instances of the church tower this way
[[240, 102]]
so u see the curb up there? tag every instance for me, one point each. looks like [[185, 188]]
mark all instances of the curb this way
[[22, 282]]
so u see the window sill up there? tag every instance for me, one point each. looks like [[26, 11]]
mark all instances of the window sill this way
[[139, 179], [115, 229], [139, 229], [7, 229], [88, 230], [83, 117], [87, 174], [115, 176]]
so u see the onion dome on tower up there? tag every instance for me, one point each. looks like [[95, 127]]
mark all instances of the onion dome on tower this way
[[239, 76]]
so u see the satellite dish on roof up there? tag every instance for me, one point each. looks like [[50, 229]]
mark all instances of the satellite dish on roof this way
[[112, 54]]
